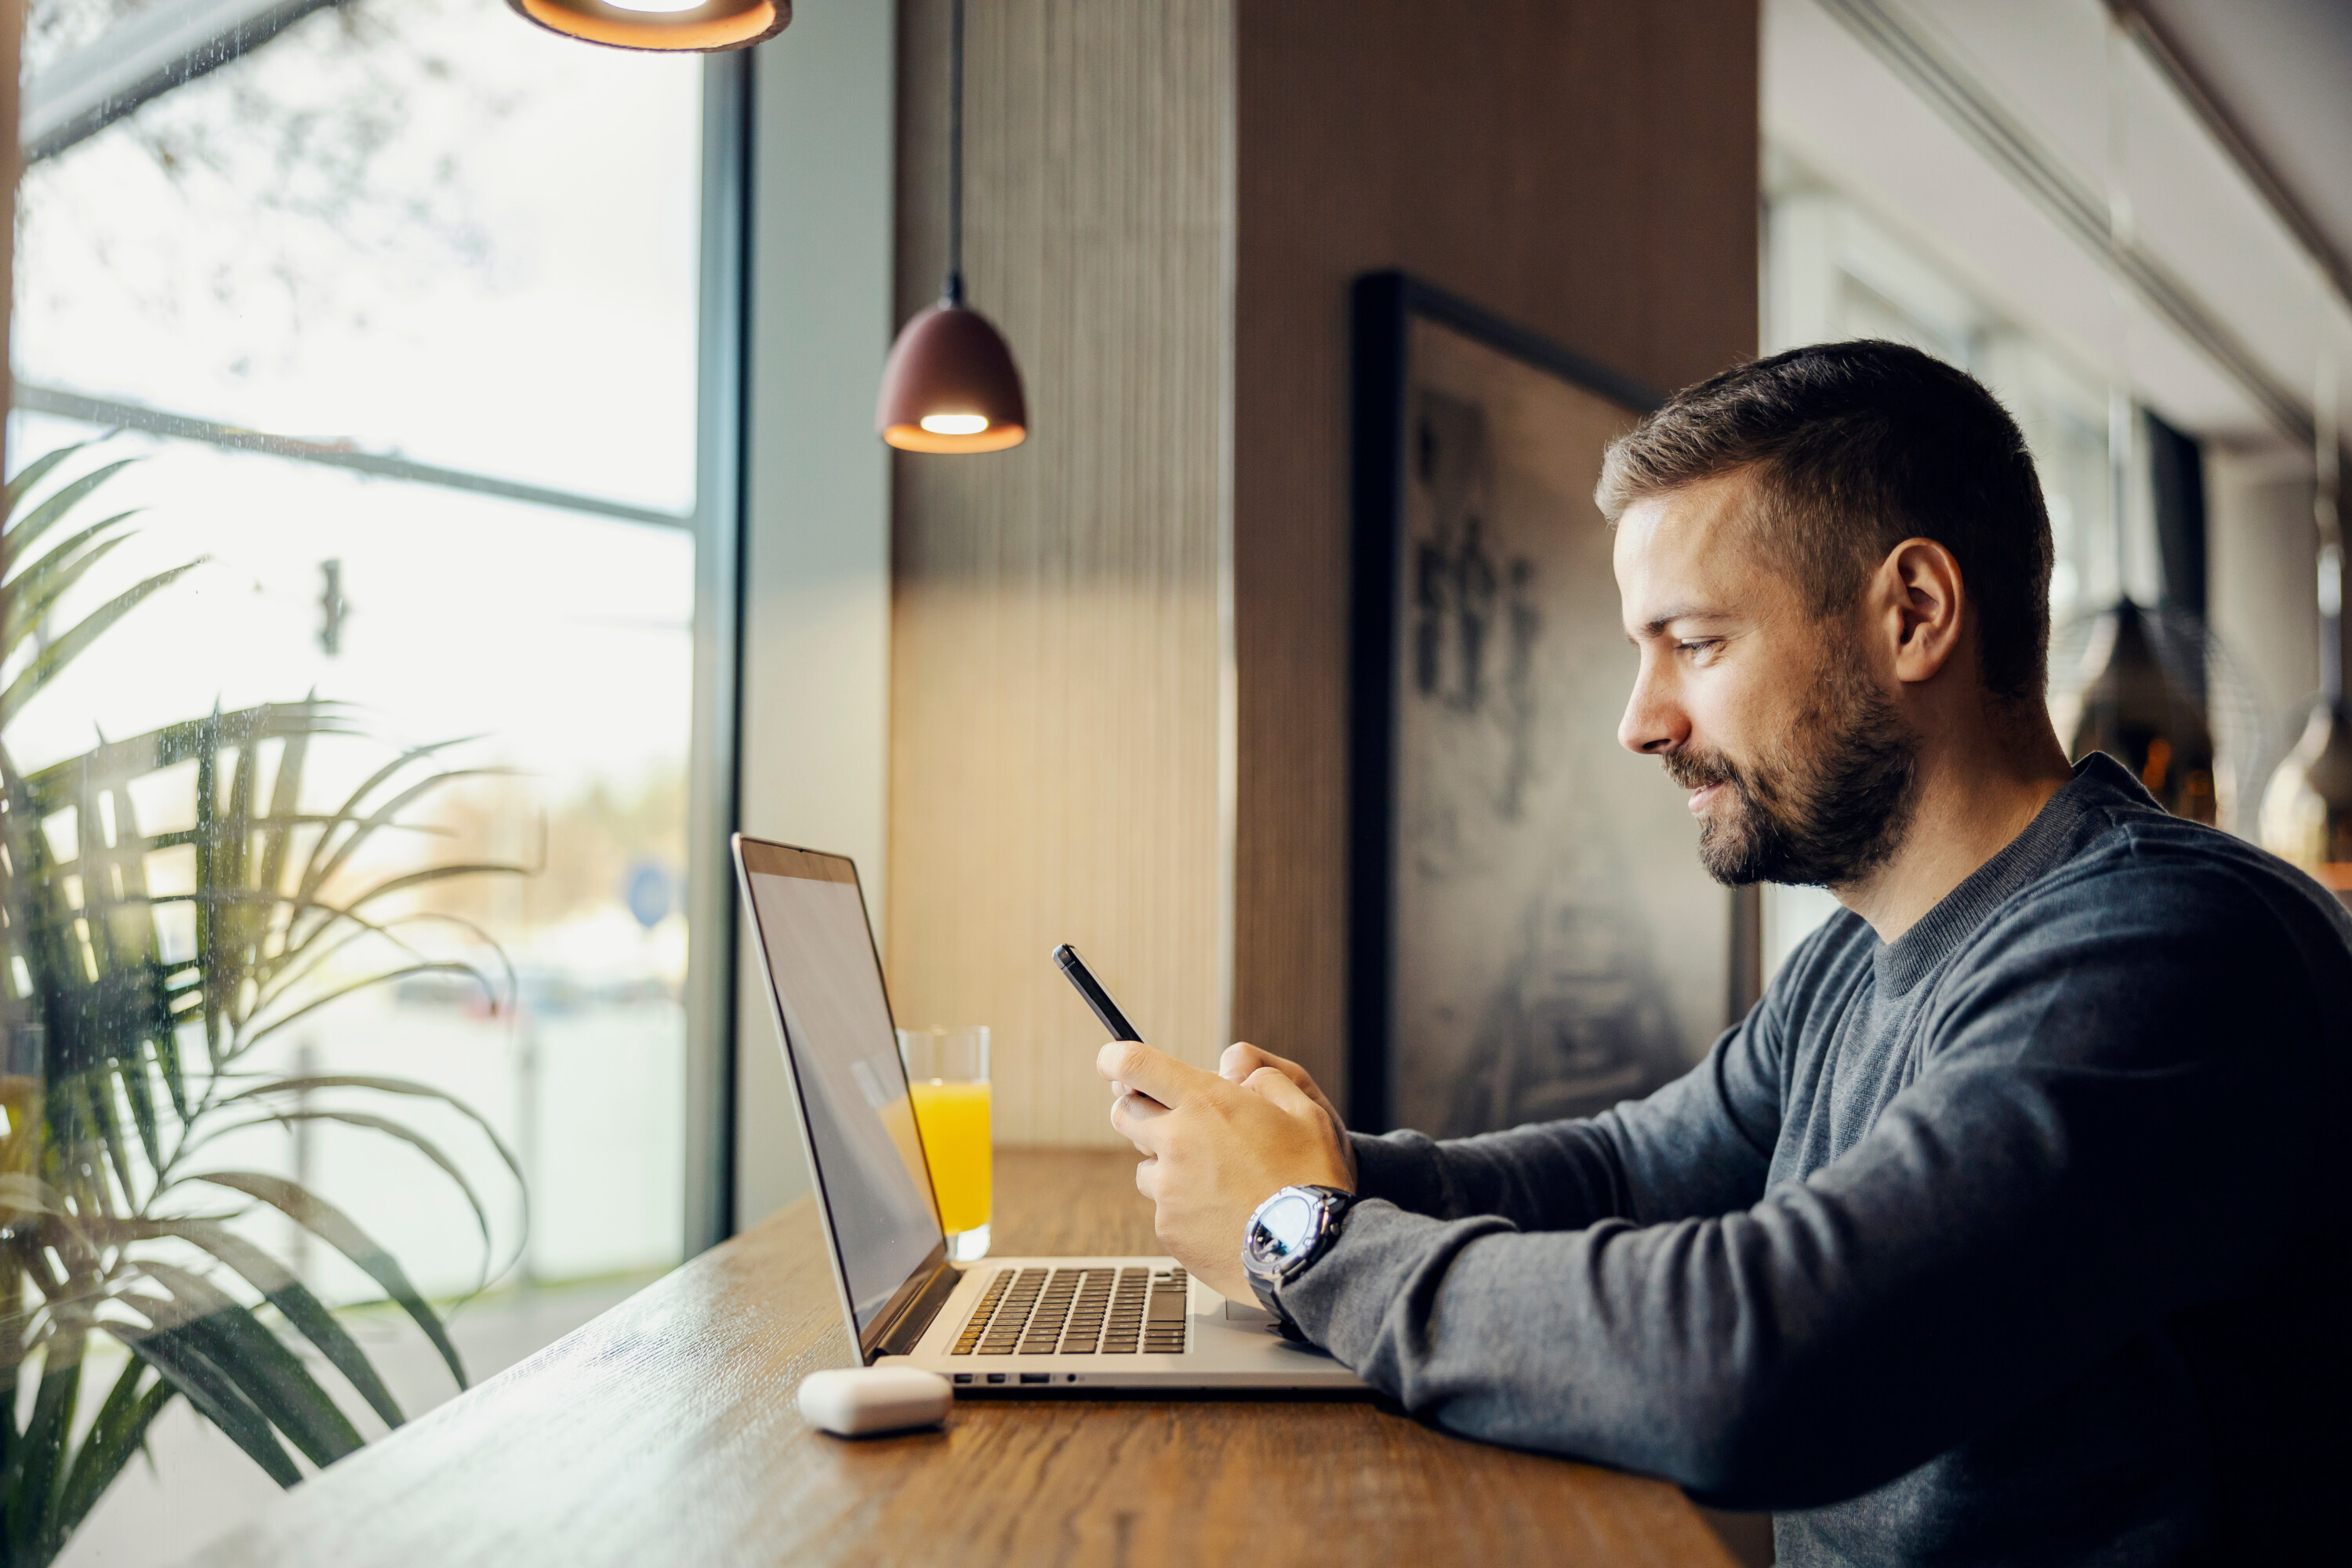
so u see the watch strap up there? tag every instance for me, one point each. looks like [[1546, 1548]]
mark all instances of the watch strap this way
[[1262, 1287]]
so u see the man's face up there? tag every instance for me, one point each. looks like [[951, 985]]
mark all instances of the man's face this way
[[1799, 765]]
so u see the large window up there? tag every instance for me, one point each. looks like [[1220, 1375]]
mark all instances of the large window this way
[[391, 320]]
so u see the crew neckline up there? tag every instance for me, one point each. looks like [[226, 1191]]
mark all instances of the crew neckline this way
[[2099, 780]]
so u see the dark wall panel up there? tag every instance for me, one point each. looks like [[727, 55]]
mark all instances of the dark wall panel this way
[[1586, 168]]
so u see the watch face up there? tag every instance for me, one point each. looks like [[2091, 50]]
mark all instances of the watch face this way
[[1285, 1228]]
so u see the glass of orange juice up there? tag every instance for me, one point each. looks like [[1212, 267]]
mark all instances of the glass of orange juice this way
[[947, 1072]]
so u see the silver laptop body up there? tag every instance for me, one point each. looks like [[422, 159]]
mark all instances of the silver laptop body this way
[[1004, 1325]]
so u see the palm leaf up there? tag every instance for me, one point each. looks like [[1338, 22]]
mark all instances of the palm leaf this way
[[23, 530], [266, 1372], [314, 957], [293, 1300], [404, 1086], [389, 1129], [409, 1087], [19, 1192], [47, 580], [285, 806], [391, 885], [51, 660], [15, 1345], [334, 1228], [214, 1395], [254, 1036], [97, 1091], [37, 1464], [309, 959], [132, 1071], [32, 474], [349, 810], [119, 1431], [318, 874]]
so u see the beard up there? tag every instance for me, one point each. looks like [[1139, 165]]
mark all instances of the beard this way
[[1828, 808]]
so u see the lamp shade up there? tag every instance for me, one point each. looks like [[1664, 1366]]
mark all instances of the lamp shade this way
[[2307, 810], [2146, 716], [951, 385], [661, 24]]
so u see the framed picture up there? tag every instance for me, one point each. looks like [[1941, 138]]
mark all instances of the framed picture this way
[[1531, 934]]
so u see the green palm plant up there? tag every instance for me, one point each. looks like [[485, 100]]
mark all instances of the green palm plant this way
[[141, 1023]]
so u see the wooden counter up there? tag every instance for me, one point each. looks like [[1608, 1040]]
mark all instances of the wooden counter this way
[[665, 1432]]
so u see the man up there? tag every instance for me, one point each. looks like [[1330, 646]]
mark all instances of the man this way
[[2008, 1228]]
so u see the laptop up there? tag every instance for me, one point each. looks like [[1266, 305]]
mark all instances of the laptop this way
[[1004, 1325]]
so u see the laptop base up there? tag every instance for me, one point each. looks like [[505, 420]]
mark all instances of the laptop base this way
[[1226, 1346]]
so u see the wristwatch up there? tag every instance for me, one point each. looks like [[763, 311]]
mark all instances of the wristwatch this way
[[1289, 1231]]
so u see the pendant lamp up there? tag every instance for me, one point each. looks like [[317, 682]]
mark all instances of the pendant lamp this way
[[2145, 715], [684, 25], [951, 385], [2139, 689]]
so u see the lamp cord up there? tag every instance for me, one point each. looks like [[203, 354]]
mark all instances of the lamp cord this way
[[953, 293]]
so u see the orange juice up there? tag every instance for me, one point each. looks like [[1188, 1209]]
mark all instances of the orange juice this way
[[954, 1120]]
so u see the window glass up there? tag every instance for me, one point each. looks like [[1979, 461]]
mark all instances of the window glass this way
[[408, 227], [391, 324]]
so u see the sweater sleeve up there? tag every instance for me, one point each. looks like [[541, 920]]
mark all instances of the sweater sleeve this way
[[2113, 1102], [1700, 1146]]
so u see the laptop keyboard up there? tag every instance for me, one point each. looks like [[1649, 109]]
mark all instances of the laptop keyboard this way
[[1077, 1311]]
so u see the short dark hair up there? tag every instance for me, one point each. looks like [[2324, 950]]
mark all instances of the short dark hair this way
[[1856, 447]]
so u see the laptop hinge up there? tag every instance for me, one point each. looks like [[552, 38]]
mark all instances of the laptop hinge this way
[[901, 1337]]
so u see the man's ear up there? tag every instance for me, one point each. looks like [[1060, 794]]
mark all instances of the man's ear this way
[[1920, 589]]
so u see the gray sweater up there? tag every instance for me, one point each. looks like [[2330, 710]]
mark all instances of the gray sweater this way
[[2020, 1240]]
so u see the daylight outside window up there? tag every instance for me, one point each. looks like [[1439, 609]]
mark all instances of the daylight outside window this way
[[347, 720]]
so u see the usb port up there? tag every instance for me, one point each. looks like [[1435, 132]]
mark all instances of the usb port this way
[[964, 1377], [1036, 1377], [996, 1377]]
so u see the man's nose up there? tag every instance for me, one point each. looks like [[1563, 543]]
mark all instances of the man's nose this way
[[1654, 721]]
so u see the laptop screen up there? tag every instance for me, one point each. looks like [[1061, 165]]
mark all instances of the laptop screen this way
[[871, 1175]]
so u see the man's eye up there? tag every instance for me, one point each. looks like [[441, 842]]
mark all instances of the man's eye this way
[[1697, 645]]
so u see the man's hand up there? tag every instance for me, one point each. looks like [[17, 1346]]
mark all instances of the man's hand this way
[[1242, 1058], [1214, 1150]]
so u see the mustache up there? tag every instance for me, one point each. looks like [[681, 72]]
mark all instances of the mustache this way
[[1699, 770]]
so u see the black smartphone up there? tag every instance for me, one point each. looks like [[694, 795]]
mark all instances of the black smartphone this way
[[1096, 996]]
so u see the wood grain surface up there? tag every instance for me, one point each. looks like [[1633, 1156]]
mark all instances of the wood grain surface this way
[[665, 1432]]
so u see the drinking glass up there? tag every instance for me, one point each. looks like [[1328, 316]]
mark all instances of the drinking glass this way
[[947, 1073]]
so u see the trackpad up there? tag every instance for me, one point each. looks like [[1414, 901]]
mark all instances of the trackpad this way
[[1242, 1312]]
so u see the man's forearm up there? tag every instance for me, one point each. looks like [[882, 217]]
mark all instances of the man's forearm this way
[[1560, 1176], [1688, 1150]]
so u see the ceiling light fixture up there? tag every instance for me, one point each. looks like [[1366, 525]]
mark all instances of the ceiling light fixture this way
[[951, 385], [667, 26]]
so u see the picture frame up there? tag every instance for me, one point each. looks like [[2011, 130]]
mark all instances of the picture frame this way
[[1530, 933]]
